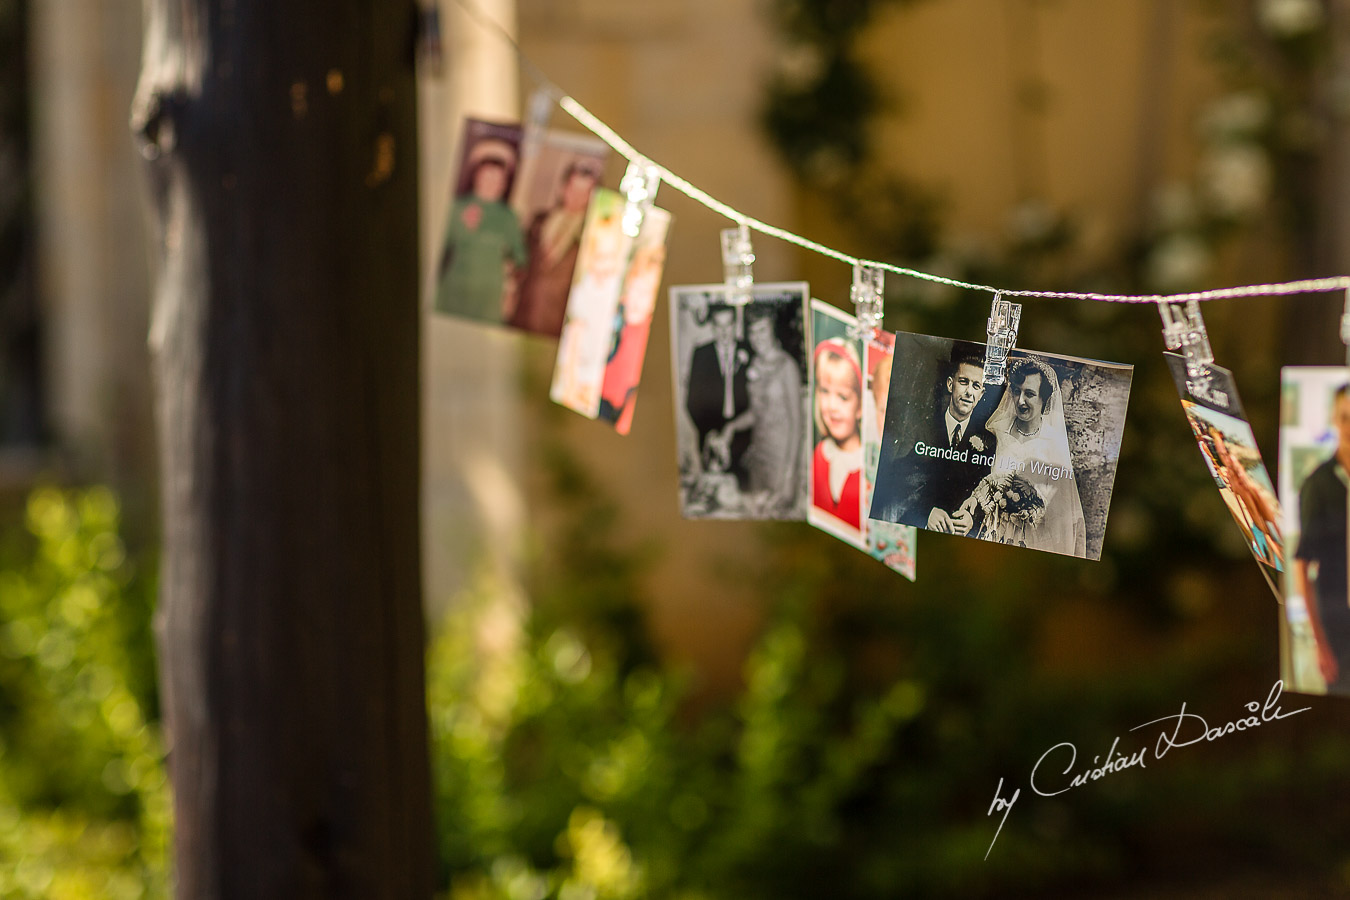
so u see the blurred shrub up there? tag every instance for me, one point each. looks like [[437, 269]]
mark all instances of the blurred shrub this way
[[561, 774], [567, 769], [860, 758], [84, 806]]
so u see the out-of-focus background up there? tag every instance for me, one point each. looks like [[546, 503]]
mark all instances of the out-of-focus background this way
[[626, 704]]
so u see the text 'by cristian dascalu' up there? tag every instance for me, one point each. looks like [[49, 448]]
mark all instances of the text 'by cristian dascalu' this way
[[1057, 771]]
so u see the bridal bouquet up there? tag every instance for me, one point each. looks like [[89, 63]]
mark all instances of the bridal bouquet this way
[[1010, 505]]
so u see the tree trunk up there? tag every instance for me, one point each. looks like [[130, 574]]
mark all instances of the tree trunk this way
[[280, 142]]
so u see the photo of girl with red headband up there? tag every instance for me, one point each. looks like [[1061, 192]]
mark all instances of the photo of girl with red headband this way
[[837, 409]]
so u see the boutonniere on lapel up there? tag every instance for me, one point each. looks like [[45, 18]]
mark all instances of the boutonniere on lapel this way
[[977, 442], [742, 357]]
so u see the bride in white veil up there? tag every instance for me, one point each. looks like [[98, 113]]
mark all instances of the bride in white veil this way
[[1033, 443]]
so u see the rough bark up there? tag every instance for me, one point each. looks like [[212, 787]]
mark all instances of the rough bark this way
[[280, 147]]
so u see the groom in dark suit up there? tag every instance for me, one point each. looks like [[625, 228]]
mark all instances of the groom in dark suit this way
[[943, 459], [717, 386]]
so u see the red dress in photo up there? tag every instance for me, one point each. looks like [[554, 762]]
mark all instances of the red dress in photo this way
[[849, 507], [622, 373]]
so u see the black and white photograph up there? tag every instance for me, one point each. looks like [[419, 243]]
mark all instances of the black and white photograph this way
[[1314, 461], [1030, 463], [741, 405]]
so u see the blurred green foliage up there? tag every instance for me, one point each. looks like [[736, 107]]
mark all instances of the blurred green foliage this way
[[84, 806], [860, 759]]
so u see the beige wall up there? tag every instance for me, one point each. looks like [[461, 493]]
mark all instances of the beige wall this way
[[681, 81], [472, 506], [93, 262], [1121, 82], [1120, 87]]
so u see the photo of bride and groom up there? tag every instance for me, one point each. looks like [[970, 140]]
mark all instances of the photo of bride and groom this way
[[1029, 463], [741, 406]]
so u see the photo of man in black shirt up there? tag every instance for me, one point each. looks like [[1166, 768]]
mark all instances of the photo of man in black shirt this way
[[1320, 565]]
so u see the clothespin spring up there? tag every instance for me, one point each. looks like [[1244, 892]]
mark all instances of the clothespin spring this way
[[639, 185], [1184, 330], [868, 294], [738, 260], [1005, 318]]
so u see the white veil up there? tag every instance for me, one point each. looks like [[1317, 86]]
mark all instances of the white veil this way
[[1043, 459]]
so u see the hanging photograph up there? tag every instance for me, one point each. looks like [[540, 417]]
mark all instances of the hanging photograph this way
[[741, 404], [483, 250], [893, 544], [560, 172], [1228, 447], [837, 425], [514, 229], [1314, 460], [632, 324], [1029, 463], [613, 271]]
